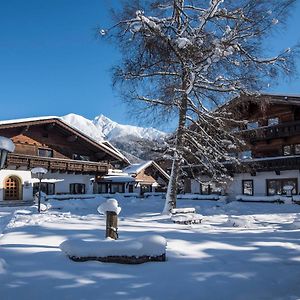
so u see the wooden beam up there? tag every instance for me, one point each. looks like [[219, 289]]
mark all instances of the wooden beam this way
[[50, 126], [100, 155], [72, 138]]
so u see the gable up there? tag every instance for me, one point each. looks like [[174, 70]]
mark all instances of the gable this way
[[53, 133]]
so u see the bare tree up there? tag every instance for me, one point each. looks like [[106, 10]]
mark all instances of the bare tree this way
[[185, 58]]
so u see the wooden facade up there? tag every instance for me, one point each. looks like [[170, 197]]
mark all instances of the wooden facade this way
[[58, 147], [275, 134]]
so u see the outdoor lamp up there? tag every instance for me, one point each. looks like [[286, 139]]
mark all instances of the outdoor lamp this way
[[39, 172], [6, 145]]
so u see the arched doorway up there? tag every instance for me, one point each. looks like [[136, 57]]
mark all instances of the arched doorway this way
[[12, 188]]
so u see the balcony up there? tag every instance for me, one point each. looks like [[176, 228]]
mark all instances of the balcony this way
[[57, 164], [277, 164], [271, 132]]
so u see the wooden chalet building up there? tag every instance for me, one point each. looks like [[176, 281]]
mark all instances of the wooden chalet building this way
[[271, 159], [71, 158]]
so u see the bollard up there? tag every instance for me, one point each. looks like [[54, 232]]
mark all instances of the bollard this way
[[112, 225]]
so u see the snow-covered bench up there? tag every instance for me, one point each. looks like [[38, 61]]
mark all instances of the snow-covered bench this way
[[187, 219], [183, 210]]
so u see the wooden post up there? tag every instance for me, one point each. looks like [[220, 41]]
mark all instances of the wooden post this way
[[111, 225]]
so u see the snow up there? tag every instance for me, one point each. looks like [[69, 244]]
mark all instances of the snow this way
[[125, 137], [211, 260], [184, 210], [258, 198], [137, 168], [39, 170], [186, 218], [12, 121], [152, 245], [183, 42], [6, 144], [119, 178], [109, 205], [201, 197]]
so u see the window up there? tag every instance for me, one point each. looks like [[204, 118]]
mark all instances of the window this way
[[45, 152], [130, 188], [297, 148], [210, 188], [46, 187], [252, 125], [275, 186], [247, 187], [81, 157], [204, 189], [146, 188], [273, 121], [77, 188], [117, 188], [287, 150], [101, 188], [245, 154]]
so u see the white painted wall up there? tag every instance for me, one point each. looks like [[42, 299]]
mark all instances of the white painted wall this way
[[60, 187], [259, 181], [64, 186], [23, 175]]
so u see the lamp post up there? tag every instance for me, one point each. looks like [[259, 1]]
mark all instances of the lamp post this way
[[6, 145], [39, 172]]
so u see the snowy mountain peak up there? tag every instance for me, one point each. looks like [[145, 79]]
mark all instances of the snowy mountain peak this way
[[124, 137], [84, 125]]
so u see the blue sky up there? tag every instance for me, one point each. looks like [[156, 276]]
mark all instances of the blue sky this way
[[52, 64]]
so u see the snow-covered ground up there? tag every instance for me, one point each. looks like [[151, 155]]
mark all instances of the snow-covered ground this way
[[239, 251]]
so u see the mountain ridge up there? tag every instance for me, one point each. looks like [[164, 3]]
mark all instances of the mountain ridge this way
[[133, 141]]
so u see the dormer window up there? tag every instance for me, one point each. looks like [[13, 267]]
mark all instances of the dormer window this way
[[273, 121], [45, 152], [252, 125]]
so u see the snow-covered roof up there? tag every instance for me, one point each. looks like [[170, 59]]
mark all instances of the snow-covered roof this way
[[137, 168], [119, 178], [106, 145], [25, 120], [272, 97]]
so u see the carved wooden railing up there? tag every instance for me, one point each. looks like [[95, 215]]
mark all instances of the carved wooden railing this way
[[57, 164], [266, 164], [270, 132]]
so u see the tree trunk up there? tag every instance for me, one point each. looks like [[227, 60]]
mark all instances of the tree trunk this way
[[171, 196]]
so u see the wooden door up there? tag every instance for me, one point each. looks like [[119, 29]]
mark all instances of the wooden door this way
[[12, 188]]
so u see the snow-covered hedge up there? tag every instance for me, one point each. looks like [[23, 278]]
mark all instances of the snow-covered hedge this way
[[274, 198], [153, 245], [201, 197]]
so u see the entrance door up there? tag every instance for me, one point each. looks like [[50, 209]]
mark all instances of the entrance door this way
[[12, 188]]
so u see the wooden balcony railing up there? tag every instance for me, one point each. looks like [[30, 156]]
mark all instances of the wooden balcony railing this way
[[279, 163], [57, 164], [270, 132]]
